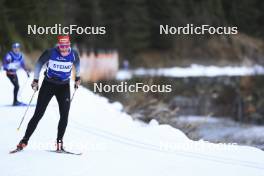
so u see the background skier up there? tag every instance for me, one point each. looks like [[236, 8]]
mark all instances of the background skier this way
[[12, 61]]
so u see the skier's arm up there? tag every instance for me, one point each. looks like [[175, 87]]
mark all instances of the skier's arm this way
[[44, 58], [76, 64], [22, 63], [7, 59]]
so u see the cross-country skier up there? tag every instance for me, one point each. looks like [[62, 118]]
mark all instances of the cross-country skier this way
[[12, 61], [56, 83]]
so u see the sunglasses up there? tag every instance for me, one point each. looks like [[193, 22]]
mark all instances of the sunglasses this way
[[64, 46]]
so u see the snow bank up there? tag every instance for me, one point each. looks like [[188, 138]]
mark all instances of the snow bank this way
[[112, 143]]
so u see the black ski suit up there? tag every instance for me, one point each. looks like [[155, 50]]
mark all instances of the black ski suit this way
[[52, 87]]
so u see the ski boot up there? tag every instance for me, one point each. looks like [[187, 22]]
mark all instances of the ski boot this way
[[59, 146], [20, 146]]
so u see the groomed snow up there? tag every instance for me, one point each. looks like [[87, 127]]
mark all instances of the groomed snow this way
[[112, 143]]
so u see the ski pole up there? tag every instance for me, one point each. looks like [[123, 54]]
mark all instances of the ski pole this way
[[73, 93], [26, 111]]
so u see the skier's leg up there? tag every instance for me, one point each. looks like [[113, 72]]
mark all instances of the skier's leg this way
[[14, 80], [63, 98], [16, 88], [45, 94]]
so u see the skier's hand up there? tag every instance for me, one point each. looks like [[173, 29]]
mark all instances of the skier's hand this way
[[77, 82], [34, 85]]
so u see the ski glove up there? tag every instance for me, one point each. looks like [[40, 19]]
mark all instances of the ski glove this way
[[77, 82], [34, 85]]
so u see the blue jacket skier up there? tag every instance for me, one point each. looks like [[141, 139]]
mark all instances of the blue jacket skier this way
[[59, 61], [12, 61]]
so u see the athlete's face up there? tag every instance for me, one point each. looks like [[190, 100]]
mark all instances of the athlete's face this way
[[16, 50], [64, 50]]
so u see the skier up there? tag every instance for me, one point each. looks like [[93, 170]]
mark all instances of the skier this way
[[12, 61], [56, 83]]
